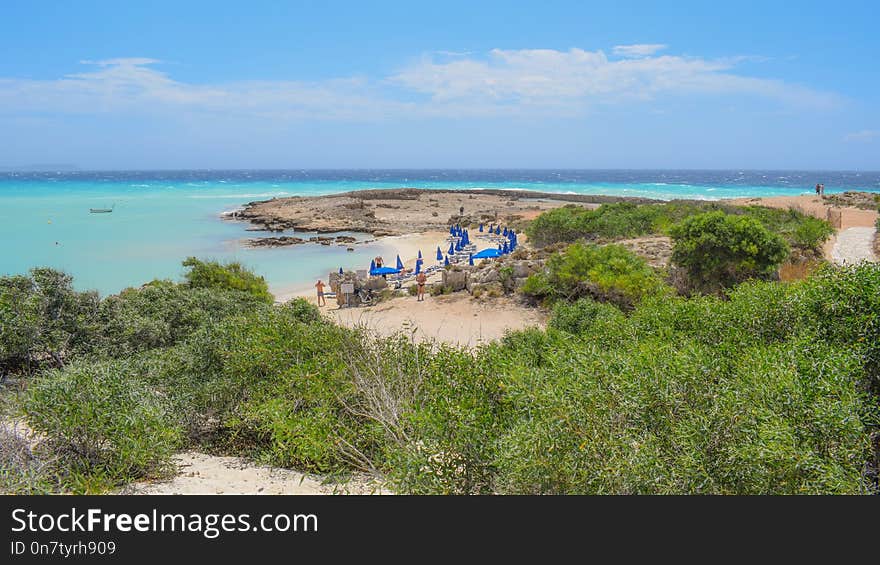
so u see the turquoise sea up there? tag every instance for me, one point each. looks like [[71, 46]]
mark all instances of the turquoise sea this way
[[161, 217]]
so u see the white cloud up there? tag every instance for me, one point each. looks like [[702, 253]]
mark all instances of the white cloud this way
[[504, 82], [638, 50], [864, 136], [576, 78]]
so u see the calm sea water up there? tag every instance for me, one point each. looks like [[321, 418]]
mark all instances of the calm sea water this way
[[160, 218]]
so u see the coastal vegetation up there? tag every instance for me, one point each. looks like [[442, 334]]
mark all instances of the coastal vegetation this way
[[626, 220], [746, 385]]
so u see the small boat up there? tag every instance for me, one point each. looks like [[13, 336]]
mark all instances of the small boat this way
[[101, 210]]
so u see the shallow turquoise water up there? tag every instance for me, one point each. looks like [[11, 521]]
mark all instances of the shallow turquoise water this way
[[161, 218]]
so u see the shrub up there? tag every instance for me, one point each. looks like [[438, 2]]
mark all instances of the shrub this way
[[579, 317], [608, 273], [43, 321], [570, 223], [718, 251], [666, 418], [625, 220], [843, 304], [162, 314], [228, 276], [101, 421]]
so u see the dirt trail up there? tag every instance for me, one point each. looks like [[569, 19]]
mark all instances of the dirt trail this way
[[210, 474]]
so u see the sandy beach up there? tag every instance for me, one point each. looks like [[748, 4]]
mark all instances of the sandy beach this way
[[454, 319]]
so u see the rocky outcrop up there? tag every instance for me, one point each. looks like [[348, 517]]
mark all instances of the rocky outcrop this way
[[285, 240], [405, 210]]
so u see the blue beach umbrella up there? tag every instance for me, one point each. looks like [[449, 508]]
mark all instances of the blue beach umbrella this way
[[451, 230], [504, 233], [340, 270], [505, 248], [471, 260], [451, 249], [372, 265], [418, 266], [384, 271], [446, 260], [481, 228], [498, 230], [439, 254], [486, 254], [399, 263], [420, 254]]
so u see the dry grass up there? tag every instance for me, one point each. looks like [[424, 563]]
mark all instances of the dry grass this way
[[797, 270]]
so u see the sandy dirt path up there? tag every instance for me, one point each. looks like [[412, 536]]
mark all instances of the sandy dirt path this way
[[854, 245], [199, 473]]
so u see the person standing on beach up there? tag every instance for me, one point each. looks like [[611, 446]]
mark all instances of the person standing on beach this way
[[421, 279], [320, 286], [818, 190]]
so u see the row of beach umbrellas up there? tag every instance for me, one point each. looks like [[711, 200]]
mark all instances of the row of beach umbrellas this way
[[462, 239]]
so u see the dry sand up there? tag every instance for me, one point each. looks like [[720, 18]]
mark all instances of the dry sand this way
[[455, 319], [199, 473]]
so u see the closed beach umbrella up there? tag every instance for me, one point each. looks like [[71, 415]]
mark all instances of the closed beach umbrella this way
[[471, 260], [372, 265], [505, 248], [451, 230], [498, 230], [340, 270], [446, 260], [418, 266], [451, 249], [439, 254], [504, 233], [481, 228], [466, 237], [420, 254]]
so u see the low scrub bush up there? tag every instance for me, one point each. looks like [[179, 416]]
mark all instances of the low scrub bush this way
[[609, 273], [718, 251], [43, 321], [225, 276], [102, 422]]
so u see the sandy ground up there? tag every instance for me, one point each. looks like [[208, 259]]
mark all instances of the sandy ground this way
[[855, 237], [854, 245], [209, 474], [455, 319]]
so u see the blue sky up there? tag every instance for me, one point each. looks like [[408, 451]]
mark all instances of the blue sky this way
[[549, 84]]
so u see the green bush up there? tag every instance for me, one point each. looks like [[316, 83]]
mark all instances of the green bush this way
[[580, 316], [609, 273], [102, 422], [228, 276], [666, 418], [718, 251], [626, 220], [162, 314], [43, 321]]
